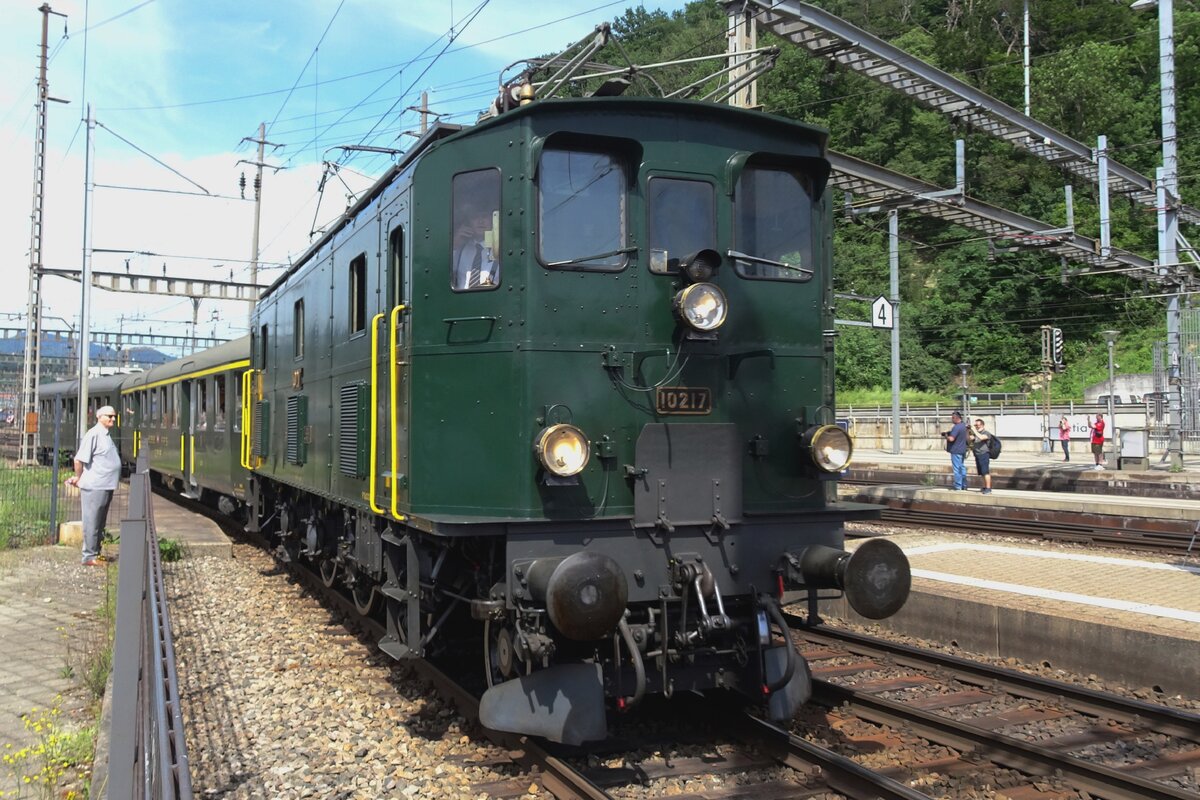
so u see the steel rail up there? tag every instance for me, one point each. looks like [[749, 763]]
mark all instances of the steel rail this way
[[1162, 719], [841, 773], [1105, 782], [559, 778]]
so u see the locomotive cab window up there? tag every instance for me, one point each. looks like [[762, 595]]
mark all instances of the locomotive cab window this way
[[682, 221], [581, 210], [396, 264], [475, 245], [772, 231]]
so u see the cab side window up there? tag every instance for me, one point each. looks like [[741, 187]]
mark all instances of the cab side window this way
[[475, 222]]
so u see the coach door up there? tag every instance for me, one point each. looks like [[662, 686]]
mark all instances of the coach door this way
[[187, 426]]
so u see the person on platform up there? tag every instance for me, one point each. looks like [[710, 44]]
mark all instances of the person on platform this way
[[97, 474], [983, 456], [1097, 429], [956, 445], [1064, 436]]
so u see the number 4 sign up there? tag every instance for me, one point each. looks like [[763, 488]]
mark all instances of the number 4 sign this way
[[882, 313]]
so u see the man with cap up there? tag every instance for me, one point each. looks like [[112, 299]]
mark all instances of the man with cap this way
[[956, 445], [97, 473]]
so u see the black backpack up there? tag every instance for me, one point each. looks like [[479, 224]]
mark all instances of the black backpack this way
[[994, 446]]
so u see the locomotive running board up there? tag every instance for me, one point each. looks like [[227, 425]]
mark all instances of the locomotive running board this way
[[563, 704]]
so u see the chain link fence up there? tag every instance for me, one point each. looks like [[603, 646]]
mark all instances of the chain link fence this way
[[38, 507]]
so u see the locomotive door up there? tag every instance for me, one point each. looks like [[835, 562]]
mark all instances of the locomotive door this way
[[397, 364]]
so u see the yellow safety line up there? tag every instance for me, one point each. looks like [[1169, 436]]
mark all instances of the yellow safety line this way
[[375, 408], [393, 370], [245, 362]]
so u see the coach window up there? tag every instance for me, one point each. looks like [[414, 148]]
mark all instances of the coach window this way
[[581, 210], [202, 416], [682, 221], [772, 230], [358, 294], [396, 264], [219, 397], [475, 245], [298, 330]]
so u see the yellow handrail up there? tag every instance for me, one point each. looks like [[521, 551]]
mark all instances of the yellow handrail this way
[[375, 408], [192, 457], [246, 417], [393, 370], [182, 438]]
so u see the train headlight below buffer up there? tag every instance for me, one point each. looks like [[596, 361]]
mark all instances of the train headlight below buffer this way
[[702, 306], [829, 446], [562, 450]]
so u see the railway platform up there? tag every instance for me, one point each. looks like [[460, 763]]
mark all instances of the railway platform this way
[[1133, 618], [198, 534]]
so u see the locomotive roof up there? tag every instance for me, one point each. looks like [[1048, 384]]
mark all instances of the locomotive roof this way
[[232, 352], [444, 131]]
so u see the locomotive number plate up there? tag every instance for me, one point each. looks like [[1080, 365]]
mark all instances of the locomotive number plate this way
[[683, 400]]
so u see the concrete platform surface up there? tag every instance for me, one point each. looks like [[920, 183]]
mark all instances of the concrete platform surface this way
[[51, 613], [198, 533], [1081, 464], [1128, 618]]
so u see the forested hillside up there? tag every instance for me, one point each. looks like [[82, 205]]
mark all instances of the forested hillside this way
[[1095, 71]]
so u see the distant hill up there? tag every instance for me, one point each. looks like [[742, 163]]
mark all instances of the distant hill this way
[[61, 347]]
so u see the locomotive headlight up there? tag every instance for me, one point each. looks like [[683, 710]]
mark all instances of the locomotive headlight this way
[[562, 449], [702, 306], [829, 447]]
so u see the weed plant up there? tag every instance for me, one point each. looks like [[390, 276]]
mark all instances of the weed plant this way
[[59, 753], [25, 512], [170, 550]]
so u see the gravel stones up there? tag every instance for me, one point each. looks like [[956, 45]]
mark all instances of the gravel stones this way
[[281, 701]]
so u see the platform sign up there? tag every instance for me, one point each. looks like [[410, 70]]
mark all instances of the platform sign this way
[[882, 313]]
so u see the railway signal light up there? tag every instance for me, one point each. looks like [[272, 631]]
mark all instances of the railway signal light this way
[[1056, 346]]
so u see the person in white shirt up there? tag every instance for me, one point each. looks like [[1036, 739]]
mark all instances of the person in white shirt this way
[[475, 265], [97, 474]]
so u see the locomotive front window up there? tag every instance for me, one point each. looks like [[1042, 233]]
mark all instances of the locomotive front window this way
[[475, 247], [773, 226], [682, 221], [581, 210]]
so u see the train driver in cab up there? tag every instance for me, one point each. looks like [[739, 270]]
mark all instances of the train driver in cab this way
[[474, 263]]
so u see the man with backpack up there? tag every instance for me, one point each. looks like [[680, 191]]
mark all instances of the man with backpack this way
[[981, 446]]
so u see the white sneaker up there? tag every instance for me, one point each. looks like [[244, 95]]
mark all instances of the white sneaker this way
[[1098, 466]]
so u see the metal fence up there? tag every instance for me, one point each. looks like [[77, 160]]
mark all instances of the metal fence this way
[[148, 754], [37, 502]]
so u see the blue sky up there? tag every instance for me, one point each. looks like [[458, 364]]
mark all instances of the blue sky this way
[[184, 83]]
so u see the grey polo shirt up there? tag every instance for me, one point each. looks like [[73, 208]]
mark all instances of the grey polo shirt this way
[[101, 461]]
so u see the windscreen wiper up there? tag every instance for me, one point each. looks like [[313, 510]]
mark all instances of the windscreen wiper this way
[[596, 257], [805, 272]]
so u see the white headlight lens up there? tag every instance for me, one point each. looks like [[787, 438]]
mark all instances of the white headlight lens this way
[[563, 450], [703, 306], [831, 448]]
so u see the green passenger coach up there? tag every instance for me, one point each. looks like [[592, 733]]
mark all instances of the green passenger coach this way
[[560, 388]]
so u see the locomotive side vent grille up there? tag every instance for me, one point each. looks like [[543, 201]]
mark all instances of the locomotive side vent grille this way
[[351, 413], [297, 419], [260, 426]]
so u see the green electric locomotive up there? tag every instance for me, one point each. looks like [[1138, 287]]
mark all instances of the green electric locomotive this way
[[560, 387]]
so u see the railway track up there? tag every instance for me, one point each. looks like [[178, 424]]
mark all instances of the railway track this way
[[1069, 738], [1100, 530], [851, 742]]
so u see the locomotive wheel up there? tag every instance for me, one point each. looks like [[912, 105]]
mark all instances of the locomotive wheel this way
[[362, 591], [329, 570]]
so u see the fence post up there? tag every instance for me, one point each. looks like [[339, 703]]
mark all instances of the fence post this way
[[54, 487]]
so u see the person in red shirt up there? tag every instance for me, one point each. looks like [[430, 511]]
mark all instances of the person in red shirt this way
[[1097, 429]]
